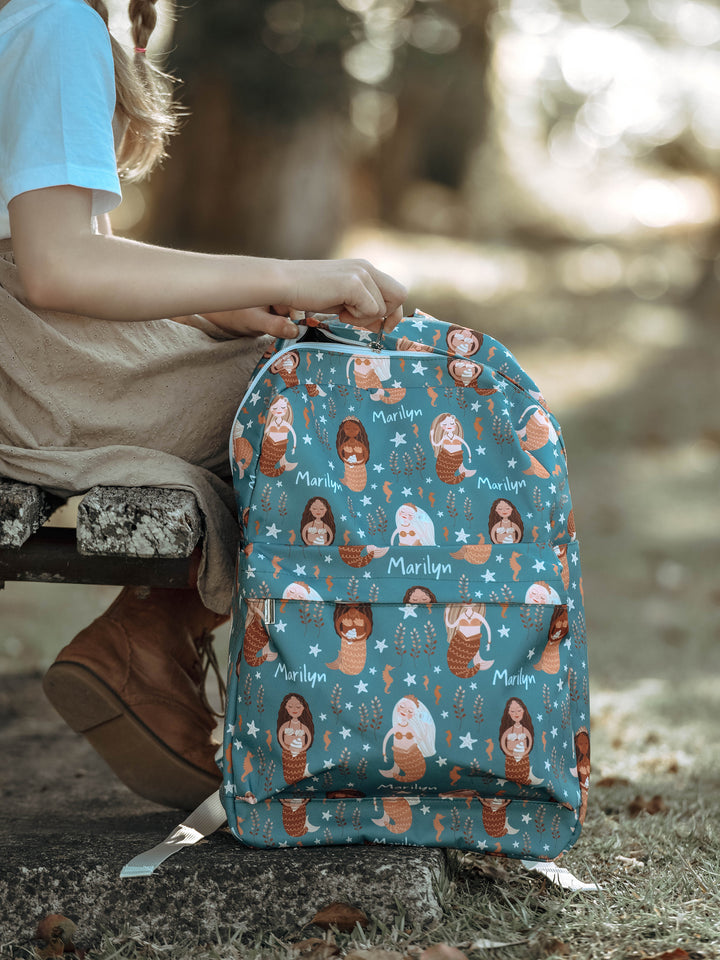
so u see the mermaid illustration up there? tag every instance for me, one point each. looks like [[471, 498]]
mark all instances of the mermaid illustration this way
[[465, 373], [369, 373], [242, 450], [419, 595], [286, 366], [413, 739], [295, 734], [505, 523], [464, 623], [256, 642], [463, 342], [549, 662], [317, 524], [541, 592], [353, 448], [295, 818], [353, 624], [397, 814], [360, 555], [517, 736], [494, 817], [534, 435], [581, 770], [413, 527], [275, 439], [446, 436]]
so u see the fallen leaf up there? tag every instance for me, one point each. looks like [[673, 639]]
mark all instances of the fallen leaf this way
[[640, 805], [55, 925], [677, 954], [315, 948], [545, 946], [374, 954], [611, 782], [442, 951], [54, 948], [482, 944], [341, 915]]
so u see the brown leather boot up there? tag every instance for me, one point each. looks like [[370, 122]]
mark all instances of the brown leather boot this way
[[133, 683]]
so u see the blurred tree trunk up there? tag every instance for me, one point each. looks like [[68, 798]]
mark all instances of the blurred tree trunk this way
[[443, 113], [237, 185]]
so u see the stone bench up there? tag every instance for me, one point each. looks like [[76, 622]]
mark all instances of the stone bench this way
[[145, 536]]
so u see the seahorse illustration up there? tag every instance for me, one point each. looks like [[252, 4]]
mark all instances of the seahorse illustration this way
[[353, 624], [464, 623], [353, 448]]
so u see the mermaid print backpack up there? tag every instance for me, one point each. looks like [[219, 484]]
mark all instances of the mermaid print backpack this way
[[408, 656]]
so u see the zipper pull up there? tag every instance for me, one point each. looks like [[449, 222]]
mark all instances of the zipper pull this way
[[377, 344], [269, 610]]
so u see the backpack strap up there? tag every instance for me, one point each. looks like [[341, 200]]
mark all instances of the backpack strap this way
[[203, 821], [560, 876]]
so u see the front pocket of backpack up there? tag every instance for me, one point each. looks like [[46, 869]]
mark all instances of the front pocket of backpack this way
[[434, 692]]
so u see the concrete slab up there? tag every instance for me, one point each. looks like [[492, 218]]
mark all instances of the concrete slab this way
[[68, 826]]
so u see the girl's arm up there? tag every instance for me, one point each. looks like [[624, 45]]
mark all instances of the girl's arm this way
[[64, 266]]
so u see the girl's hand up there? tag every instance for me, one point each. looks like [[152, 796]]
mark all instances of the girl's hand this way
[[355, 290], [253, 321]]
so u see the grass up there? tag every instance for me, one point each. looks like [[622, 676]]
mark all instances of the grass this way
[[634, 385]]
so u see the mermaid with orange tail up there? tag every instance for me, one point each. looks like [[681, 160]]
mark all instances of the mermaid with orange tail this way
[[534, 435], [278, 427], [353, 448], [446, 436], [353, 624], [256, 642], [295, 818], [517, 736], [413, 739], [464, 623], [369, 373], [549, 661], [295, 734], [397, 814]]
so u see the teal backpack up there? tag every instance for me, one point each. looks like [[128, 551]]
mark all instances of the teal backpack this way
[[408, 657]]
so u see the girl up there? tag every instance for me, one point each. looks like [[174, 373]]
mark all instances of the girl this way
[[98, 388]]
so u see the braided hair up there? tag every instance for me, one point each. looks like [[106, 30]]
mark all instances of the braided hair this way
[[144, 99]]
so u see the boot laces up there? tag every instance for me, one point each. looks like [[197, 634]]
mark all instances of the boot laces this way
[[208, 661]]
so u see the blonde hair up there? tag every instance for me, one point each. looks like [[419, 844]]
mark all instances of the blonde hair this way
[[144, 99]]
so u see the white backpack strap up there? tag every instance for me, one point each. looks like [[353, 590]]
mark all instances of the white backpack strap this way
[[558, 875], [203, 821]]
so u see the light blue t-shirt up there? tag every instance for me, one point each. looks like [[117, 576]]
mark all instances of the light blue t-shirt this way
[[57, 99]]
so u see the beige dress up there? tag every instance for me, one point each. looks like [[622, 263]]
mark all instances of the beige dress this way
[[87, 403]]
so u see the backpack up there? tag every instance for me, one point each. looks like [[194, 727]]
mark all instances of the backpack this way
[[408, 658]]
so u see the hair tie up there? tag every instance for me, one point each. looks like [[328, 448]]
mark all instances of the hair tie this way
[[140, 49]]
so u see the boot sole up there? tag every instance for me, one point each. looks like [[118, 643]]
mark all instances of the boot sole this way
[[132, 751]]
